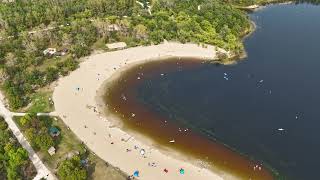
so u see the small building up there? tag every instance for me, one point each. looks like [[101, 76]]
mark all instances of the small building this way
[[113, 27], [54, 131], [52, 150], [50, 51], [116, 46]]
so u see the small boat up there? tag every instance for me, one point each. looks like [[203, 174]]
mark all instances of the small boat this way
[[280, 129], [172, 141]]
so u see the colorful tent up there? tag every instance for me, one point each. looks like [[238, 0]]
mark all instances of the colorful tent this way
[[136, 173]]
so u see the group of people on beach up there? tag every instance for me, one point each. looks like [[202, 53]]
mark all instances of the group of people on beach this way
[[142, 152], [136, 173]]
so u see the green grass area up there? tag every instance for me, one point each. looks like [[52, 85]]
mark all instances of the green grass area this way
[[40, 102], [100, 170], [67, 145], [100, 44], [52, 61]]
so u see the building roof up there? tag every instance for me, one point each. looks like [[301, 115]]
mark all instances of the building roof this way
[[50, 51], [52, 150], [118, 45], [54, 130]]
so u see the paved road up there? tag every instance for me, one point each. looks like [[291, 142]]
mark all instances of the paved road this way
[[42, 170]]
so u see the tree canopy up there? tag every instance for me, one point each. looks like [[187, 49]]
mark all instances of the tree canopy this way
[[71, 169], [14, 160], [36, 132]]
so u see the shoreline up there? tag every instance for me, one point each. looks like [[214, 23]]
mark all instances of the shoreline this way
[[117, 121], [259, 6], [161, 135], [76, 96]]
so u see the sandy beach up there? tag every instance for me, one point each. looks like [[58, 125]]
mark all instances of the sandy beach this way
[[76, 102]]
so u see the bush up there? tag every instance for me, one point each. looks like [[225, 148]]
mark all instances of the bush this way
[[51, 74], [3, 124], [80, 50], [43, 140]]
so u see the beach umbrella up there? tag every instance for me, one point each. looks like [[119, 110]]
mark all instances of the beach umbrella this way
[[181, 171], [142, 152], [136, 173]]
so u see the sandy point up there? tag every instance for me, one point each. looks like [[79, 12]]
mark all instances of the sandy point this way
[[75, 102]]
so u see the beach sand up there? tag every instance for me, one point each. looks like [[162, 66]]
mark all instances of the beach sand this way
[[78, 103]]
